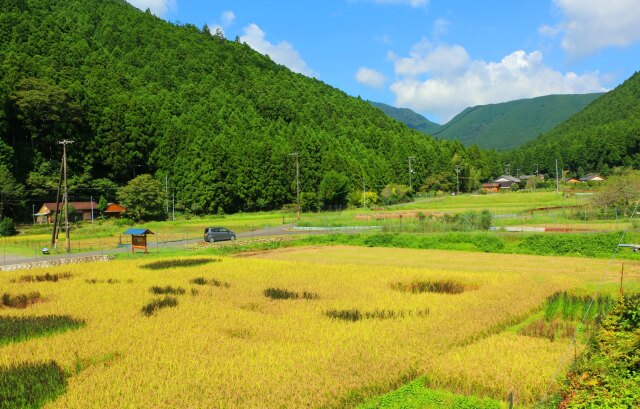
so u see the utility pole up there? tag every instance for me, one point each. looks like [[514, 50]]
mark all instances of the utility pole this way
[[364, 193], [535, 179], [173, 206], [457, 179], [91, 208], [507, 169], [557, 183], [410, 171], [54, 234], [297, 182], [166, 192], [65, 199]]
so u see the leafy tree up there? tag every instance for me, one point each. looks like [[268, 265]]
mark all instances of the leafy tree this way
[[12, 193], [333, 189], [308, 201], [621, 192], [7, 228], [102, 204], [143, 197], [394, 193]]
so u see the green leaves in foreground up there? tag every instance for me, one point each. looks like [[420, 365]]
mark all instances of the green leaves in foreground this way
[[417, 395], [30, 385], [16, 329]]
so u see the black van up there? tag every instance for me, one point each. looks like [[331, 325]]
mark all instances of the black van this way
[[212, 234]]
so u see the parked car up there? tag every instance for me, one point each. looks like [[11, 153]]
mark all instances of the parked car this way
[[212, 234]]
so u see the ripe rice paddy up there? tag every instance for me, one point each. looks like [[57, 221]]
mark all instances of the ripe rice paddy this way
[[228, 346]]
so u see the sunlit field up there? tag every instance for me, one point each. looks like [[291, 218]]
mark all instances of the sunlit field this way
[[303, 327]]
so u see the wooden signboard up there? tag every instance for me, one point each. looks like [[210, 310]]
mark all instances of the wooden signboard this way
[[138, 242]]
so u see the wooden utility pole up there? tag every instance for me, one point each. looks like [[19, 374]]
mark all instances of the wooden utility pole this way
[[457, 179], [54, 234], [65, 197]]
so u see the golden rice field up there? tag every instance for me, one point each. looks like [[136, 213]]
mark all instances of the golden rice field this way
[[229, 346]]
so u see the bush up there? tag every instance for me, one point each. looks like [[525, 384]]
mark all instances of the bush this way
[[7, 227]]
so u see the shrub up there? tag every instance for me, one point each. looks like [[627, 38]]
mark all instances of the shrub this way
[[7, 227]]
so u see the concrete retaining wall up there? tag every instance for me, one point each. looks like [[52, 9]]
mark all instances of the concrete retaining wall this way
[[55, 262]]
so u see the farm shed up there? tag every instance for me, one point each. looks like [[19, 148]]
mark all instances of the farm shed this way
[[114, 211], [77, 211], [491, 187]]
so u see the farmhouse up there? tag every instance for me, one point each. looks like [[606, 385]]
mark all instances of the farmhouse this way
[[77, 211], [505, 181], [592, 178]]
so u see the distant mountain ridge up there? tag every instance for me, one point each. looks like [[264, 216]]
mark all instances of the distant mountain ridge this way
[[603, 136], [408, 117], [502, 126]]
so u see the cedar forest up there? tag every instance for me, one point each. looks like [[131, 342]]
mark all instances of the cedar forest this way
[[219, 121]]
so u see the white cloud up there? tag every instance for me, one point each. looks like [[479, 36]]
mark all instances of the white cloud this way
[[227, 18], [589, 26], [370, 78], [157, 7], [441, 27], [423, 58], [443, 80], [282, 53], [412, 3]]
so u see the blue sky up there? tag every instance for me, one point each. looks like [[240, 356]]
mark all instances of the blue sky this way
[[436, 57]]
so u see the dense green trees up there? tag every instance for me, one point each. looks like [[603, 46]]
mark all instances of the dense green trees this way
[[143, 198], [140, 95], [605, 134]]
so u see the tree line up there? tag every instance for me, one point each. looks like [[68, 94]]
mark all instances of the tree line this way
[[219, 121]]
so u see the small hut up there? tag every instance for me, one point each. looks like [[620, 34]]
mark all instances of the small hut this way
[[138, 238]]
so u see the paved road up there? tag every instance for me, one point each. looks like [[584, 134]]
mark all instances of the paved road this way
[[282, 230]]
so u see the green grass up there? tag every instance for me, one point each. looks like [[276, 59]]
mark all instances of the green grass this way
[[415, 395], [17, 329], [30, 385]]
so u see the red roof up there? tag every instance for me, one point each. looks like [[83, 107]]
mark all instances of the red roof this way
[[114, 208], [75, 205]]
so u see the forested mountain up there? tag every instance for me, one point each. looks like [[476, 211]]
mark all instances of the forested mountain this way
[[412, 119], [141, 95], [511, 124], [603, 135]]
